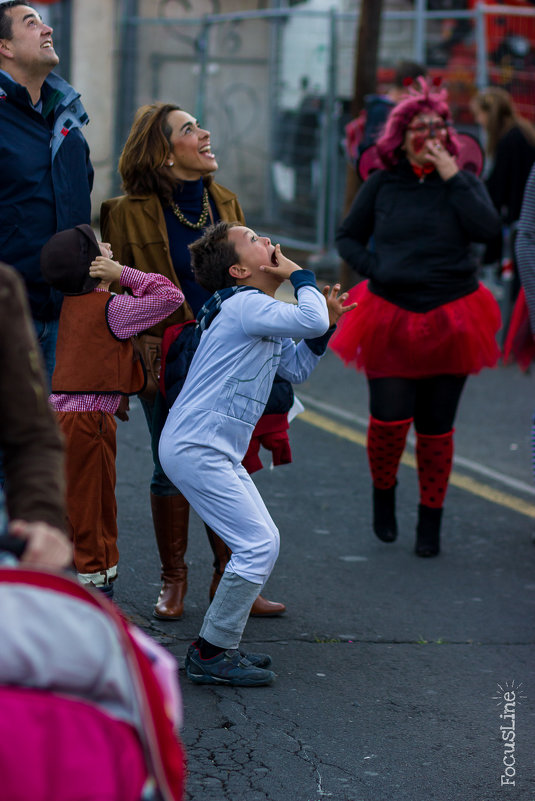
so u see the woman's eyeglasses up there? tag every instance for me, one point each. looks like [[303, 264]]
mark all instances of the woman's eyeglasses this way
[[430, 130]]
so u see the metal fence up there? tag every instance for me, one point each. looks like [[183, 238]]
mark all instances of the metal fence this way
[[274, 89]]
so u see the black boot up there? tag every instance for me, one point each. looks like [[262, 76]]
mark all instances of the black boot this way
[[384, 514], [428, 531], [107, 589]]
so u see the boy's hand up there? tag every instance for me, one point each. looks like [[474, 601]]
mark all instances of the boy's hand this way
[[335, 303], [105, 269], [284, 267]]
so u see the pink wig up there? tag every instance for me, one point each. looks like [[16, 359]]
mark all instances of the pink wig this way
[[417, 101]]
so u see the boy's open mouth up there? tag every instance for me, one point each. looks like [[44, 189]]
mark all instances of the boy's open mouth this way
[[274, 260]]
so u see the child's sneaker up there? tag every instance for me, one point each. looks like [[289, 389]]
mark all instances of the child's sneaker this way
[[102, 580], [230, 667], [258, 660]]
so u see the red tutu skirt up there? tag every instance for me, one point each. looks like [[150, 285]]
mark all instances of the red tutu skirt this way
[[386, 341], [519, 344]]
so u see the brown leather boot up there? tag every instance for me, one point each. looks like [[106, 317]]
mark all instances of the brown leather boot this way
[[264, 608], [222, 553], [221, 556], [170, 515]]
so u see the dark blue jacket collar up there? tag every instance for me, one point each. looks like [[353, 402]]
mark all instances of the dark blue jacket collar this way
[[212, 307]]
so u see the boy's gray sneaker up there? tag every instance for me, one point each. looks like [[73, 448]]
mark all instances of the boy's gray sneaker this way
[[230, 667]]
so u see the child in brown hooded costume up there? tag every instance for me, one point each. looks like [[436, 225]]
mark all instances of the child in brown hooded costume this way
[[95, 369]]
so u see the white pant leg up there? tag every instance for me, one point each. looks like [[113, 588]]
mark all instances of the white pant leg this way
[[225, 497], [228, 613]]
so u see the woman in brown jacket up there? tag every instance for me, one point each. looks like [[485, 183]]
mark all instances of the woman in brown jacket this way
[[166, 167]]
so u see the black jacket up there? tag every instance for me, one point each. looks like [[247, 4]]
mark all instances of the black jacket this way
[[506, 183], [507, 180], [420, 257]]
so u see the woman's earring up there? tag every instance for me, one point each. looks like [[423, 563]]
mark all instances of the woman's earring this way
[[170, 163]]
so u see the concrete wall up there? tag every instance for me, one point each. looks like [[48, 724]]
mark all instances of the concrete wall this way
[[94, 65], [93, 73]]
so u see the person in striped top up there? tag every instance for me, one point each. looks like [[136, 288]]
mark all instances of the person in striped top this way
[[525, 246], [96, 370], [525, 258]]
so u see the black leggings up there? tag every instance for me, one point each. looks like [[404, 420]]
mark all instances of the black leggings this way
[[432, 402]]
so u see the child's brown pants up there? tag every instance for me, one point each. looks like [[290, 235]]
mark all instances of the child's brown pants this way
[[91, 505]]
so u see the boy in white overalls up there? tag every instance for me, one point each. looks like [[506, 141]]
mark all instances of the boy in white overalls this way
[[246, 339]]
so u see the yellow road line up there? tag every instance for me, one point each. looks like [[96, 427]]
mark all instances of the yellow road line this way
[[457, 479]]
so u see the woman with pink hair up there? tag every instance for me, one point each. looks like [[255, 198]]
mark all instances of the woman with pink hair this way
[[423, 321]]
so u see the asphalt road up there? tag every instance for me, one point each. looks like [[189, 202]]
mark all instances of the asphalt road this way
[[393, 672]]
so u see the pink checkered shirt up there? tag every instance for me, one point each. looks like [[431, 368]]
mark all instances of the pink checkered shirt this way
[[154, 298]]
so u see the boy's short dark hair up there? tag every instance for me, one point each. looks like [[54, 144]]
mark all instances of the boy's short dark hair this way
[[212, 255]]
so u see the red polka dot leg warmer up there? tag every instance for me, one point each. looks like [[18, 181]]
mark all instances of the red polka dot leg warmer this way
[[434, 455], [386, 443]]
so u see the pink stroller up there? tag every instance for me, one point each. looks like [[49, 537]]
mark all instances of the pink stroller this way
[[89, 706]]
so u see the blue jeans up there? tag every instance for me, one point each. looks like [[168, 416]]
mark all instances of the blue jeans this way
[[47, 336], [156, 415]]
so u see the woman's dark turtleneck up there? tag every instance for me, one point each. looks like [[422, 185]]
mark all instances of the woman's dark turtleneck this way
[[188, 197]]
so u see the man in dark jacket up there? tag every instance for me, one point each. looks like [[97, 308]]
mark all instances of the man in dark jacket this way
[[44, 159]]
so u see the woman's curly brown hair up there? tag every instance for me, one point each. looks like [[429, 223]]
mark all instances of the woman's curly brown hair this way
[[143, 162]]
